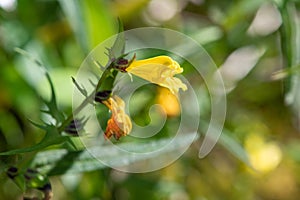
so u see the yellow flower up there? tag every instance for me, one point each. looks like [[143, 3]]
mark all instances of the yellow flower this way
[[119, 124], [159, 70]]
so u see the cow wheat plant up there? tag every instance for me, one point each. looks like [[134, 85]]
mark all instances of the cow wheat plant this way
[[33, 174], [136, 108]]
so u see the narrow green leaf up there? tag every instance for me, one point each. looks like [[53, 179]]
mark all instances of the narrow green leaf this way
[[230, 144], [20, 182], [60, 161], [118, 48], [29, 56], [234, 147], [290, 42], [52, 137], [286, 31], [74, 13], [54, 111], [41, 145]]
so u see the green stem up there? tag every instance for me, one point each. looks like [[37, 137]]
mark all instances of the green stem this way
[[89, 99], [285, 40]]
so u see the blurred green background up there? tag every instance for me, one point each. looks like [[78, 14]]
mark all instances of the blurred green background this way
[[254, 43]]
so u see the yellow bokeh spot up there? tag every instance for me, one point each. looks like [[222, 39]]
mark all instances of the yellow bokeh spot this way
[[168, 101], [264, 156]]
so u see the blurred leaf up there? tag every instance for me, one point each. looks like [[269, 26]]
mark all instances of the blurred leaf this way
[[128, 8], [53, 109], [293, 150], [207, 35], [266, 21], [238, 64], [13, 34], [229, 143], [234, 147], [20, 182], [60, 161], [90, 20], [290, 36], [74, 13], [118, 47], [240, 10], [98, 21], [285, 40]]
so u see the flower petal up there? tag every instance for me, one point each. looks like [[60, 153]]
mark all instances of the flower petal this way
[[159, 70]]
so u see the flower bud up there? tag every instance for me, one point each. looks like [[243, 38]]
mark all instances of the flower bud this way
[[74, 127], [12, 172], [102, 96], [121, 64]]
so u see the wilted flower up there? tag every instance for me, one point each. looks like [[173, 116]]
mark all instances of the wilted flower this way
[[119, 124], [159, 70]]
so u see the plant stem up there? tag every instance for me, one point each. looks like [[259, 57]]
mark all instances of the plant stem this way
[[285, 39], [88, 99]]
